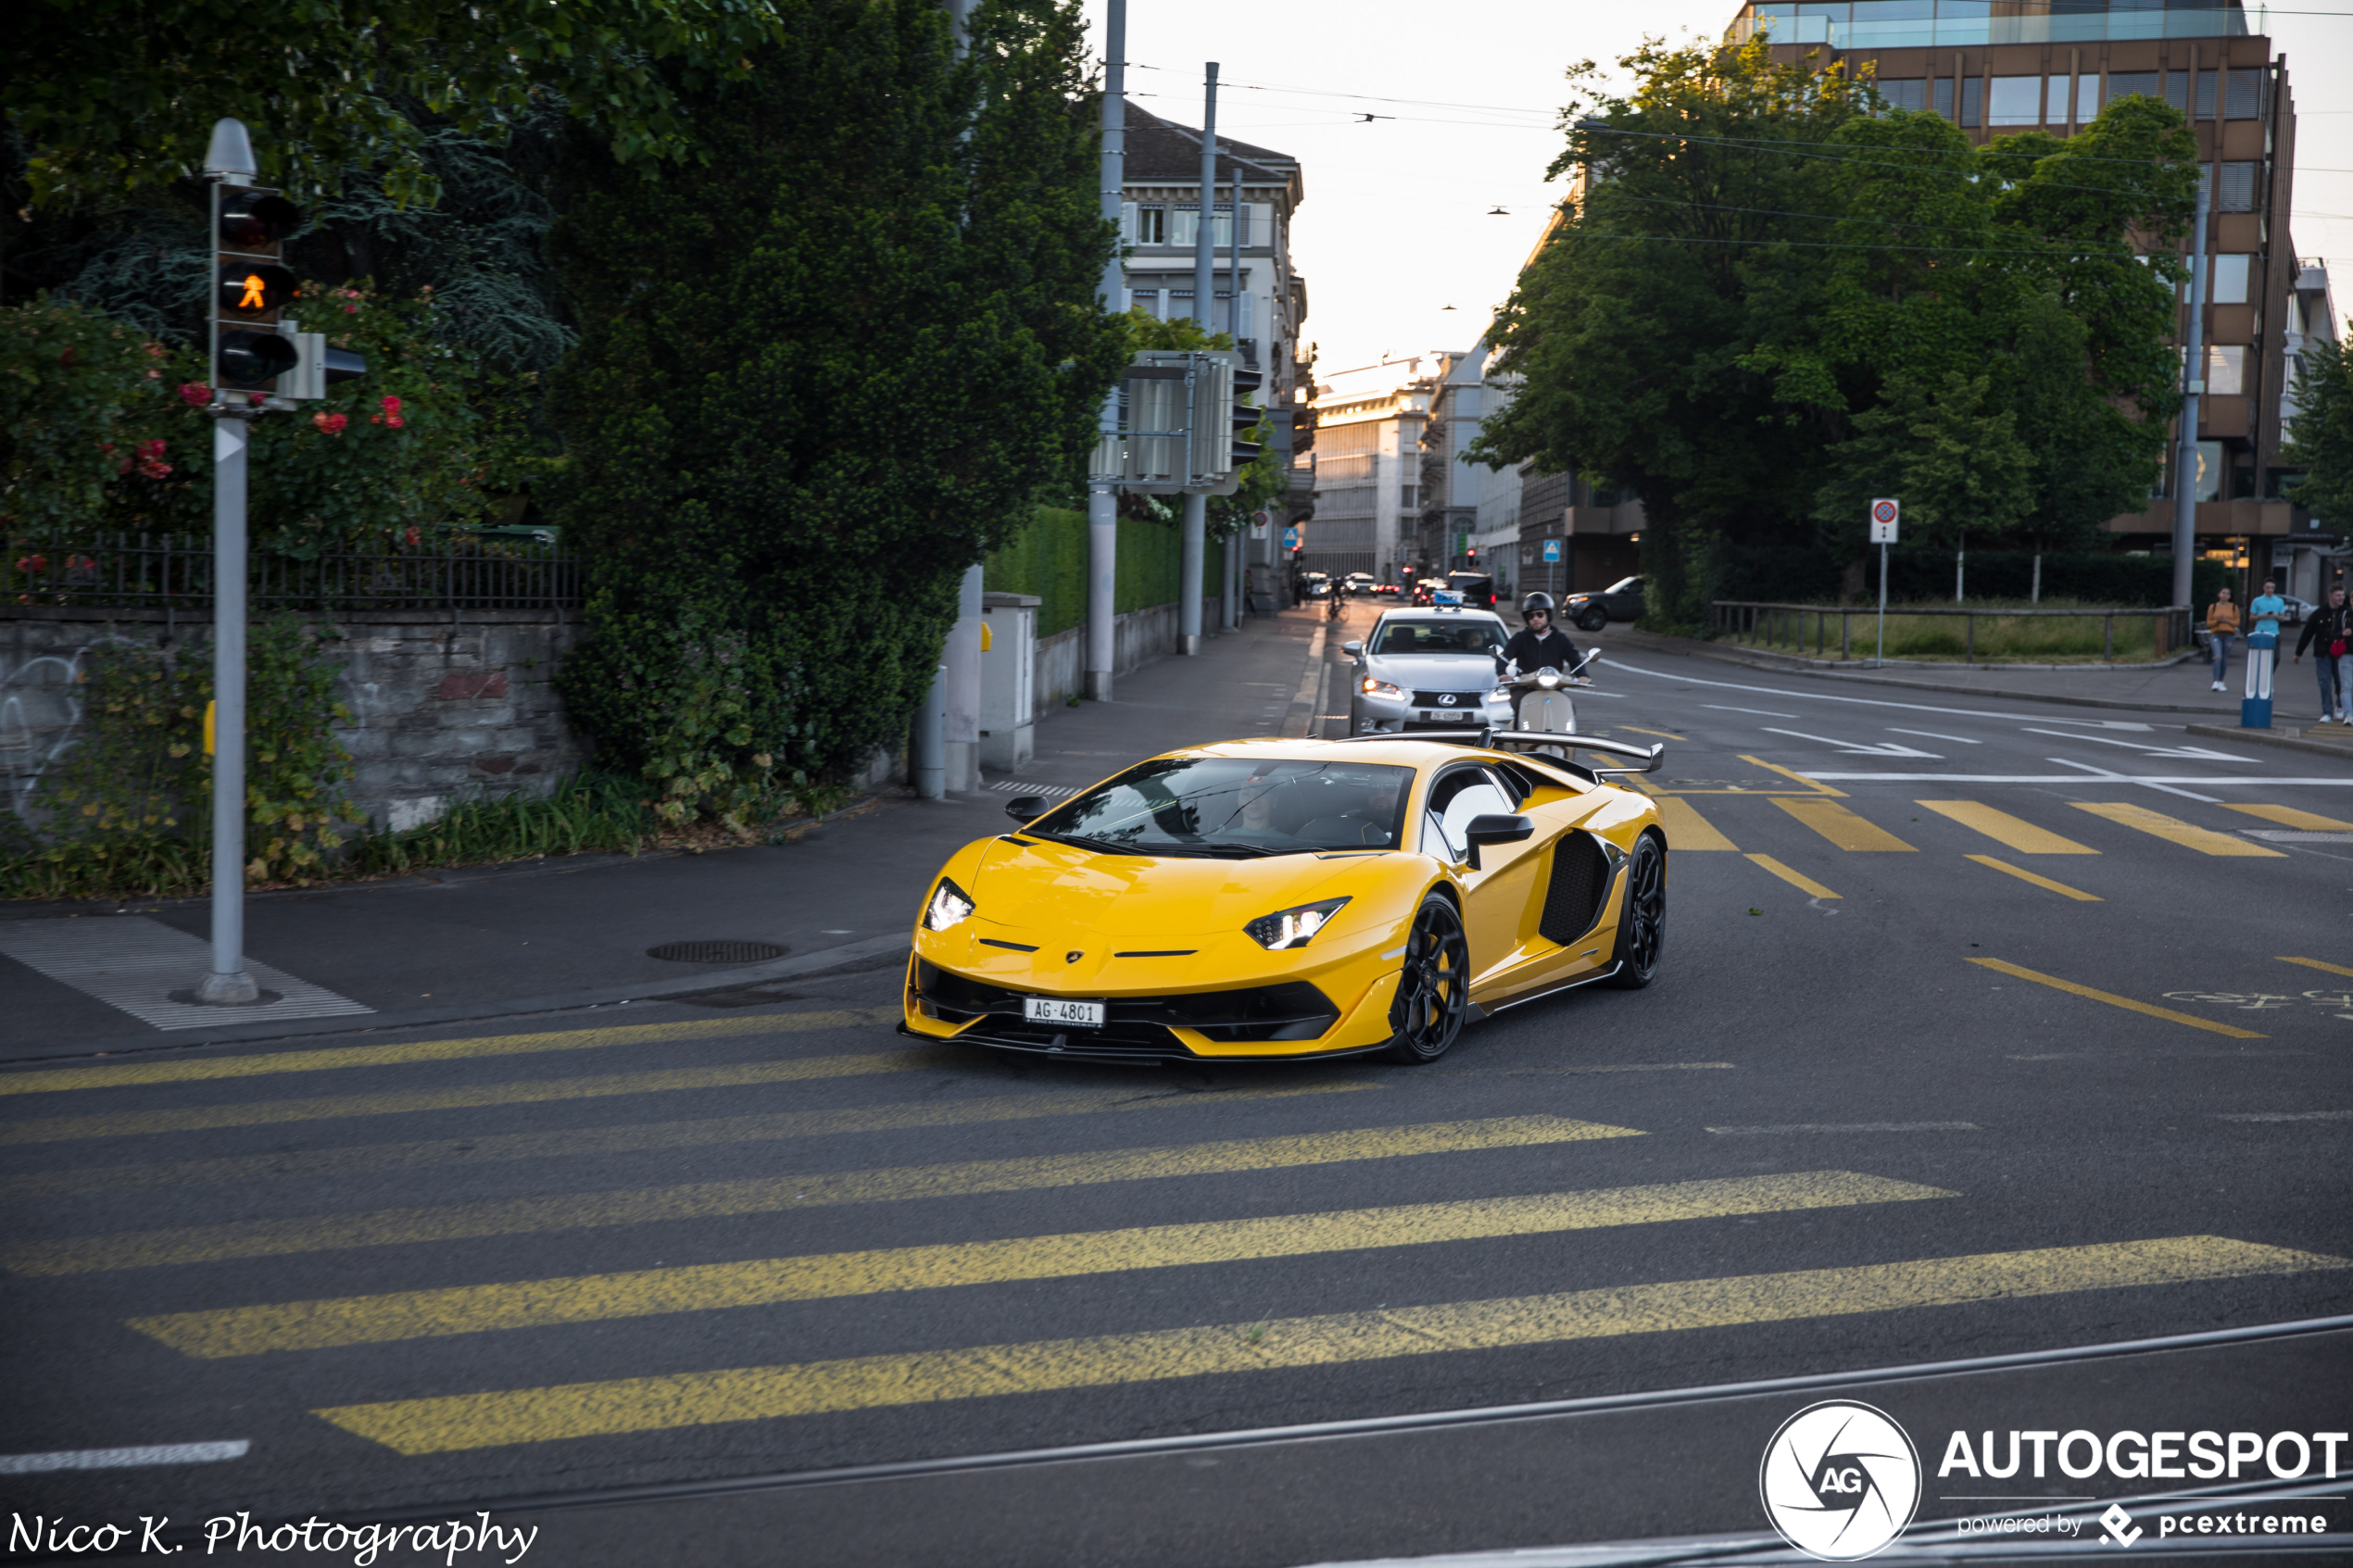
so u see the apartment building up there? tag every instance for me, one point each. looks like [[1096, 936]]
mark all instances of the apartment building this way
[[1367, 470], [1999, 66], [1470, 512]]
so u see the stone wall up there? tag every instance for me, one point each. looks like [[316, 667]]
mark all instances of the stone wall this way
[[442, 705]]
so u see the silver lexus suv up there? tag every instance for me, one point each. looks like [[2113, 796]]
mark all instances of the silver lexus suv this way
[[1428, 670]]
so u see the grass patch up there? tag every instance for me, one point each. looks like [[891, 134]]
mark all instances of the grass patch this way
[[2039, 639], [585, 811]]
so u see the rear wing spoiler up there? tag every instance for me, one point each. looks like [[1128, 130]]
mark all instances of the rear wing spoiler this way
[[1516, 740]]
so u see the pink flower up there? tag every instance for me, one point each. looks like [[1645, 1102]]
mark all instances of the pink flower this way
[[332, 423], [392, 405], [151, 449], [396, 421], [351, 310], [195, 394]]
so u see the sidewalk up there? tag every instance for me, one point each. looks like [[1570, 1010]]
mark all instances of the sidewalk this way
[[573, 931], [2185, 687]]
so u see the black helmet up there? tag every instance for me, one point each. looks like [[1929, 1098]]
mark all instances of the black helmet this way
[[1535, 602]]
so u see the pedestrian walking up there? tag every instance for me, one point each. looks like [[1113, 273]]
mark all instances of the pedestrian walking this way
[[2329, 633], [2221, 625]]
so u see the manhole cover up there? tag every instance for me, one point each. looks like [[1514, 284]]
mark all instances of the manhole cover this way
[[717, 952]]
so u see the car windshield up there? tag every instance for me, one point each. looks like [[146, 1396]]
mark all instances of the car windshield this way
[[1482, 638], [1237, 806], [1624, 585]]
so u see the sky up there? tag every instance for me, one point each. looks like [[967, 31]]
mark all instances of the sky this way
[[1400, 218]]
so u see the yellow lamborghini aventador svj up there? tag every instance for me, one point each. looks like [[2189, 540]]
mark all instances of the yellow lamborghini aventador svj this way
[[1288, 898]]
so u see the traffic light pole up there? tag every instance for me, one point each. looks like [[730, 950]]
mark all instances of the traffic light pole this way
[[2193, 384], [1189, 578], [229, 984], [1103, 498]]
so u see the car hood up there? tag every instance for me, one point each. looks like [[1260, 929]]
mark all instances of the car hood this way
[[1059, 887], [1435, 671]]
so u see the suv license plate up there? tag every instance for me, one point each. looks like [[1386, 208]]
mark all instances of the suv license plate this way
[[1051, 1009]]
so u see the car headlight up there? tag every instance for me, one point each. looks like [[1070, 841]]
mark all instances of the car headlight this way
[[1292, 927], [1548, 679], [950, 904], [1379, 688]]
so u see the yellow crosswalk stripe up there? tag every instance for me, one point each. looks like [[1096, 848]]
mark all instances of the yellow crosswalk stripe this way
[[766, 1393], [354, 1158], [268, 1112], [2316, 963], [2062, 889], [2014, 833], [702, 1201], [1842, 826], [2289, 817], [1816, 785], [2112, 999], [124, 1074], [1796, 879], [376, 1320], [2206, 841], [1687, 830]]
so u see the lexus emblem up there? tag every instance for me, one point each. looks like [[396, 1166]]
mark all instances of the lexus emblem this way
[[1073, 956], [1446, 699]]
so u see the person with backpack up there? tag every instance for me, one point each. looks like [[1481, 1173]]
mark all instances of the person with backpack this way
[[2329, 633]]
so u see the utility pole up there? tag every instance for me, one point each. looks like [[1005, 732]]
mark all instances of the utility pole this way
[[1235, 543], [1189, 581], [1102, 499], [2193, 384]]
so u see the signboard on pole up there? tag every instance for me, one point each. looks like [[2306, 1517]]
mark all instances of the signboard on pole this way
[[1260, 523], [1552, 551], [1291, 538], [1883, 514]]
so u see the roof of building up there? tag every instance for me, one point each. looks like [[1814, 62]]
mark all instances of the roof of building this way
[[1165, 152]]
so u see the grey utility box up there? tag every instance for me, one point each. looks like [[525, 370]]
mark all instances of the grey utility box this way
[[1008, 680]]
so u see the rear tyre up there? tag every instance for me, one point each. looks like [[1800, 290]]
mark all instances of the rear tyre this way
[[1592, 619], [1433, 989], [1642, 925]]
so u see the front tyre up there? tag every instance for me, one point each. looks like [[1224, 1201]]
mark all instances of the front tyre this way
[[1433, 988], [1592, 619], [1641, 926]]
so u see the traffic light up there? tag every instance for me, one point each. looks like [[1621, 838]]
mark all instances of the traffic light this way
[[1245, 416], [255, 348]]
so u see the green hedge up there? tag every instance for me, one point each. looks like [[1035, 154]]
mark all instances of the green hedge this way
[[1802, 574], [1048, 559]]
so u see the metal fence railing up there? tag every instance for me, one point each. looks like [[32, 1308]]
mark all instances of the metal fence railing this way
[[174, 571], [1784, 626]]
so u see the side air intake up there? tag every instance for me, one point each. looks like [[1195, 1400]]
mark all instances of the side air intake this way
[[1573, 896]]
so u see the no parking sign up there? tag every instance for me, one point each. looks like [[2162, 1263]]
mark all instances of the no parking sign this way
[[1883, 521]]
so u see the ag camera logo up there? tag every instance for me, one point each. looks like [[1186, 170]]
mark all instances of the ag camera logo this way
[[1840, 1480]]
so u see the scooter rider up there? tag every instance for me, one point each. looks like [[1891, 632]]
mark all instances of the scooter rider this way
[[1537, 646]]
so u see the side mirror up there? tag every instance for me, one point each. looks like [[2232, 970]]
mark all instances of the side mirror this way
[[1029, 808], [1353, 650], [1496, 827]]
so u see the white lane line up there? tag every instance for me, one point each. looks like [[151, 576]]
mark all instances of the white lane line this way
[[1893, 748], [1869, 701], [131, 962], [2155, 782], [2197, 753], [1932, 735], [1850, 1127], [122, 1458], [2129, 778], [2295, 836], [2284, 1116], [1765, 712]]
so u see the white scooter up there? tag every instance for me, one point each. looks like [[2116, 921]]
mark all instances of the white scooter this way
[[1541, 704]]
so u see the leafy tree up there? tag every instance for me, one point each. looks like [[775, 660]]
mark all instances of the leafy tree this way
[[112, 96], [818, 377], [2320, 436], [1948, 448]]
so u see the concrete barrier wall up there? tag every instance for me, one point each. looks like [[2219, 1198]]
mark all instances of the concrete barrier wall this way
[[1141, 636]]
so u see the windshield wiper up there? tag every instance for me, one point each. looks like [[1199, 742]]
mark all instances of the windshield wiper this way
[[1082, 841], [1235, 851]]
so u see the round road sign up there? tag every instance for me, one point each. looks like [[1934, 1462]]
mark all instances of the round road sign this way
[[1882, 511]]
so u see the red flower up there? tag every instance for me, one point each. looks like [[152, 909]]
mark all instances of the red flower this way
[[412, 534], [195, 394], [351, 310], [32, 563], [396, 421], [332, 423], [392, 405], [151, 449]]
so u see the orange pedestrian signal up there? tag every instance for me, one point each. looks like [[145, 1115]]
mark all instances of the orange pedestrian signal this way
[[253, 291], [252, 300]]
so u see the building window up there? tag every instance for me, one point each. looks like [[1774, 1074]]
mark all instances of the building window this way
[[2231, 279], [1905, 94], [1972, 101], [2121, 82], [2243, 95], [1405, 495], [2177, 90], [2017, 100], [2225, 370], [1943, 94], [2088, 98], [2205, 109], [1143, 225], [1184, 226], [2235, 191], [2055, 99]]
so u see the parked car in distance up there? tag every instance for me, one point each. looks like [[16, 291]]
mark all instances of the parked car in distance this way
[[1389, 589], [1622, 600], [1315, 585], [1425, 590], [1359, 584]]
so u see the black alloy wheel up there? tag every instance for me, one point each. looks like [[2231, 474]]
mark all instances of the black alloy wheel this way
[[1592, 618], [1433, 988], [1641, 926]]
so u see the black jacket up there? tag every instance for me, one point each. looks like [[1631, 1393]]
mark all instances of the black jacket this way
[[1532, 653], [2325, 626]]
